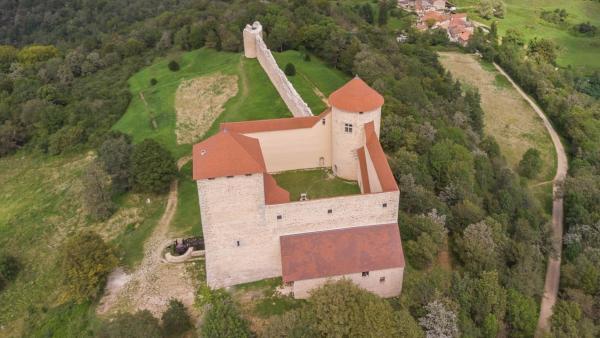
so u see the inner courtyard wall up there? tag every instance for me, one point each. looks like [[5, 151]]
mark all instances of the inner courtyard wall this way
[[302, 148]]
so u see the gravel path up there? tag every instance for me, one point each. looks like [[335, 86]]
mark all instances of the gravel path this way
[[553, 273], [153, 283]]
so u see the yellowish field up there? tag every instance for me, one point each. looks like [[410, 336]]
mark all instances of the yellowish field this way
[[513, 123]]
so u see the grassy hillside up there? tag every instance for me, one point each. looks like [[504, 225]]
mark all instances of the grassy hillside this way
[[524, 15], [40, 205]]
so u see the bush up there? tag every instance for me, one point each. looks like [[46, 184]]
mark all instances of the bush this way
[[153, 167], [173, 66], [224, 320], [126, 325], [531, 163], [86, 262], [153, 81], [290, 69], [97, 193], [175, 319], [9, 269]]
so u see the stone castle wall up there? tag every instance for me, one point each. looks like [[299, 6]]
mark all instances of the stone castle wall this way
[[255, 46]]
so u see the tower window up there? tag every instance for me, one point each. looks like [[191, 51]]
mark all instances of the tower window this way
[[329, 211], [323, 120], [348, 127], [384, 205], [237, 243], [365, 274], [381, 279], [279, 217]]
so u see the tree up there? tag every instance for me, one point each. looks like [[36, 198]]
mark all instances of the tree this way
[[9, 269], [153, 167], [8, 55], [408, 327], [86, 262], [382, 19], [97, 193], [36, 53], [489, 297], [486, 9], [173, 66], [290, 69], [478, 249], [531, 163], [564, 320], [366, 12], [522, 314], [223, 320], [499, 8], [115, 155], [153, 81], [542, 50], [175, 320], [126, 325], [439, 322]]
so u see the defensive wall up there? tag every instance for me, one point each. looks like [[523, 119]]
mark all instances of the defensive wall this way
[[255, 47]]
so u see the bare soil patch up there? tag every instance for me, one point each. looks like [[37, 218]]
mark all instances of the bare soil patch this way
[[508, 117], [199, 101]]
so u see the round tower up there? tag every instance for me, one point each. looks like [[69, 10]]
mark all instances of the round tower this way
[[250, 34], [352, 106]]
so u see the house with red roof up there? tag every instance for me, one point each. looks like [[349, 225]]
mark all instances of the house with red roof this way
[[253, 229]]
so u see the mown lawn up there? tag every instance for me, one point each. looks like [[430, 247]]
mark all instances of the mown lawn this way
[[317, 183], [40, 206], [187, 217], [524, 16]]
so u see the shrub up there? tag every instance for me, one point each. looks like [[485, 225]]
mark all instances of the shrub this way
[[290, 69], [224, 320], [175, 319], [9, 269], [86, 262], [153, 82], [153, 167], [126, 325], [97, 192], [173, 66], [531, 163]]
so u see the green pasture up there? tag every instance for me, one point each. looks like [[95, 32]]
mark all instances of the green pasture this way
[[524, 16], [317, 183]]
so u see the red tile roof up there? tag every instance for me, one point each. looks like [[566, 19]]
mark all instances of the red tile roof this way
[[356, 96], [340, 252], [256, 126], [227, 154], [380, 162], [274, 194], [434, 15], [364, 174]]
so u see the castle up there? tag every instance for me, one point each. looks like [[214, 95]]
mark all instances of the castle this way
[[252, 228]]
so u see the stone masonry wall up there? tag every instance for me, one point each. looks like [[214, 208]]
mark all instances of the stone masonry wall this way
[[391, 286], [286, 90]]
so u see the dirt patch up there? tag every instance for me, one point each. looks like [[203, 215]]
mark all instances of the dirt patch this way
[[198, 102], [154, 282]]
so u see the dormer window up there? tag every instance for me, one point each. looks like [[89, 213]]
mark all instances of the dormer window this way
[[348, 128]]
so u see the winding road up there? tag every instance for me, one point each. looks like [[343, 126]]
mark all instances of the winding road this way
[[553, 272]]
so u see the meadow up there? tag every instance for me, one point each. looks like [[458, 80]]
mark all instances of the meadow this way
[[524, 16], [507, 117]]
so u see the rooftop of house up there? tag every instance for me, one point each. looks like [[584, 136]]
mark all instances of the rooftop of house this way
[[341, 251], [356, 96]]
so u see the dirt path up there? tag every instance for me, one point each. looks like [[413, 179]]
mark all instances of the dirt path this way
[[553, 273], [153, 283]]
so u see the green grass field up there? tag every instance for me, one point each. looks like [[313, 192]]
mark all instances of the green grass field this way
[[524, 16], [40, 206], [256, 98], [187, 217], [317, 183]]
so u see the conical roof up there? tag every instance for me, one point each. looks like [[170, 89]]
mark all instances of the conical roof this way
[[356, 96]]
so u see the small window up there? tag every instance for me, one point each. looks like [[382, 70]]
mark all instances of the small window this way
[[279, 217], [237, 243], [348, 127], [211, 178], [229, 176], [329, 211], [381, 279], [365, 274], [248, 174], [360, 113], [323, 121], [384, 205]]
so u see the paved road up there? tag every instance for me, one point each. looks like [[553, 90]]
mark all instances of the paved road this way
[[553, 272]]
